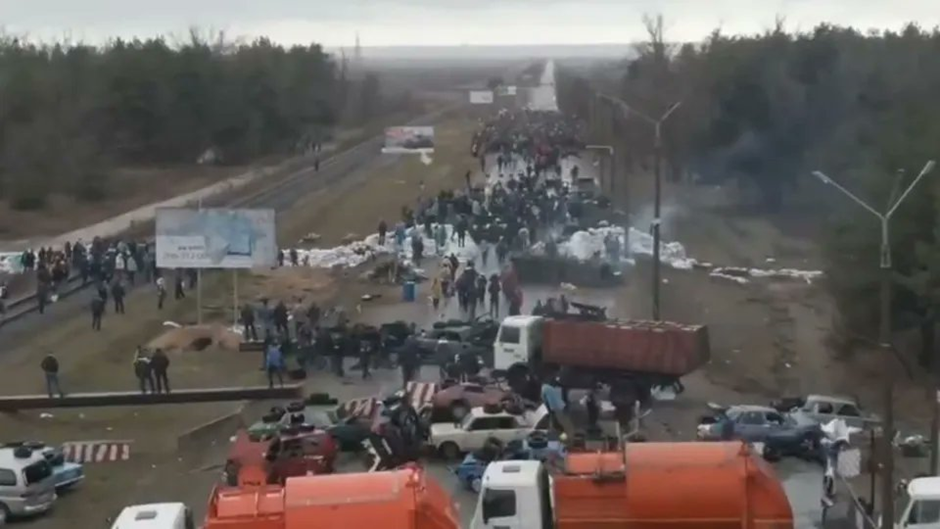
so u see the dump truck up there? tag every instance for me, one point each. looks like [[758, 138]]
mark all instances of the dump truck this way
[[674, 485], [402, 498], [631, 357]]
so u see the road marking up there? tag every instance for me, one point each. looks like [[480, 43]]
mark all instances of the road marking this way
[[96, 451]]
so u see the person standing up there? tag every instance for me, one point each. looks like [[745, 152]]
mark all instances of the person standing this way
[[494, 289], [274, 364], [248, 322], [408, 360], [383, 230], [161, 292], [365, 357], [97, 311], [50, 369], [118, 293], [178, 291], [160, 363], [143, 371], [280, 318]]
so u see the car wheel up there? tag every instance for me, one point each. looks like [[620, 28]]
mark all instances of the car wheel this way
[[476, 485], [770, 453], [449, 450], [459, 410], [4, 513]]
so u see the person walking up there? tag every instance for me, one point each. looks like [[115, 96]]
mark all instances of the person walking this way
[[161, 292], [274, 364], [436, 293], [383, 230], [408, 360], [160, 363], [494, 289], [178, 291], [50, 369], [365, 357], [97, 311], [280, 318], [118, 293], [143, 371]]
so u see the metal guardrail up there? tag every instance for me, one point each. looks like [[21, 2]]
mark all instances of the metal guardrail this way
[[23, 306], [136, 398]]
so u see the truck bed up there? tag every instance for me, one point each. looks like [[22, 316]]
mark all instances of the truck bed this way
[[661, 348]]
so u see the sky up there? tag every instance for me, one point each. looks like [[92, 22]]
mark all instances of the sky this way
[[335, 23]]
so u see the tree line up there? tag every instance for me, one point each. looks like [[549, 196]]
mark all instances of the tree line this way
[[69, 113], [763, 111]]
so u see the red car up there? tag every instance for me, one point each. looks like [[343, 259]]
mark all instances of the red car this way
[[453, 403], [296, 451]]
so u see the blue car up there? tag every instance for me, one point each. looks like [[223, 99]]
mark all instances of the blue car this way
[[66, 475], [470, 471], [776, 434]]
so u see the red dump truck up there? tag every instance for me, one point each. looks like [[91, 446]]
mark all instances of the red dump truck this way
[[629, 356]]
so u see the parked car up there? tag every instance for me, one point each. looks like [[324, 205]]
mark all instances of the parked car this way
[[65, 474], [348, 432], [26, 483], [774, 433], [453, 403], [453, 439], [822, 409]]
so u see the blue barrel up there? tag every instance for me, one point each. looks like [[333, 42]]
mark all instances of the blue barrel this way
[[408, 291]]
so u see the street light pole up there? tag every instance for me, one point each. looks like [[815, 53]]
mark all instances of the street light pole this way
[[657, 199], [884, 337]]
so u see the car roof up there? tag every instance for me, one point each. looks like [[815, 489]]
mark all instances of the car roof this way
[[924, 487], [10, 461], [148, 515], [751, 407], [833, 398], [512, 473], [479, 412]]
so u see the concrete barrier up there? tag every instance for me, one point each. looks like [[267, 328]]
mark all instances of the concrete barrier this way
[[217, 430]]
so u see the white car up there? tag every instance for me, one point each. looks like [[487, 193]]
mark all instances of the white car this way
[[470, 434]]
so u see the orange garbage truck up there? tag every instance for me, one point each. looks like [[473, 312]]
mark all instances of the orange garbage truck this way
[[646, 485], [406, 498]]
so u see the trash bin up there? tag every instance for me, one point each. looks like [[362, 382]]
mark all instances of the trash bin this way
[[408, 291]]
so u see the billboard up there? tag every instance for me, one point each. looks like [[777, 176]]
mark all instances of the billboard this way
[[481, 97], [503, 91], [409, 139], [215, 238]]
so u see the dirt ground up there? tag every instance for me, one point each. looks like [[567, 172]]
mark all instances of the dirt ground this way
[[96, 361]]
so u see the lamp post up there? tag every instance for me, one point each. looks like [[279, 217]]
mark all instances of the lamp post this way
[[884, 336], [657, 125]]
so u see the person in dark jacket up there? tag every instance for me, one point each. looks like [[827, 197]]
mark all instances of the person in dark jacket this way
[[383, 230], [160, 364], [408, 359], [143, 371], [50, 368], [280, 318], [248, 321], [97, 311], [118, 293], [494, 289]]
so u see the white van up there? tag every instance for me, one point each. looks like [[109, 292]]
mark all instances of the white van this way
[[26, 483], [155, 516]]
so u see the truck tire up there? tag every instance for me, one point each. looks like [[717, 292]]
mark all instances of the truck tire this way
[[449, 450]]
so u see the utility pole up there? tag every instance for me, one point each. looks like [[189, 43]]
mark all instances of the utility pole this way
[[657, 204], [886, 454]]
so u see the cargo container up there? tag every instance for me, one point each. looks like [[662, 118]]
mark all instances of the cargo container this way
[[674, 485], [631, 357]]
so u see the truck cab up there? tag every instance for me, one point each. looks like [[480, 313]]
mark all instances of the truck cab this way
[[518, 340], [514, 495], [923, 506]]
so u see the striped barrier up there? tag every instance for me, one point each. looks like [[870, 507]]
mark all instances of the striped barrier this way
[[96, 451], [419, 395]]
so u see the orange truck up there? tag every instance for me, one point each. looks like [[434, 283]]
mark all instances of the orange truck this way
[[647, 485], [398, 499]]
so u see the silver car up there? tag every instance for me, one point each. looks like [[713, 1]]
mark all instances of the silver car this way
[[822, 409]]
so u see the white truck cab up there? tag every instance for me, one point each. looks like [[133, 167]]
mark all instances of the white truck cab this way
[[923, 506], [514, 495], [155, 516], [518, 338]]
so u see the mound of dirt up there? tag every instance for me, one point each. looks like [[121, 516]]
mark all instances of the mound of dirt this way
[[297, 284], [196, 338]]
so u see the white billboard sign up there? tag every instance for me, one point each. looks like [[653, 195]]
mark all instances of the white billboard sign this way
[[506, 91], [481, 97], [215, 238]]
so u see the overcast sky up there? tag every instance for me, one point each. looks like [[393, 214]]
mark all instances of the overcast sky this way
[[444, 22]]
